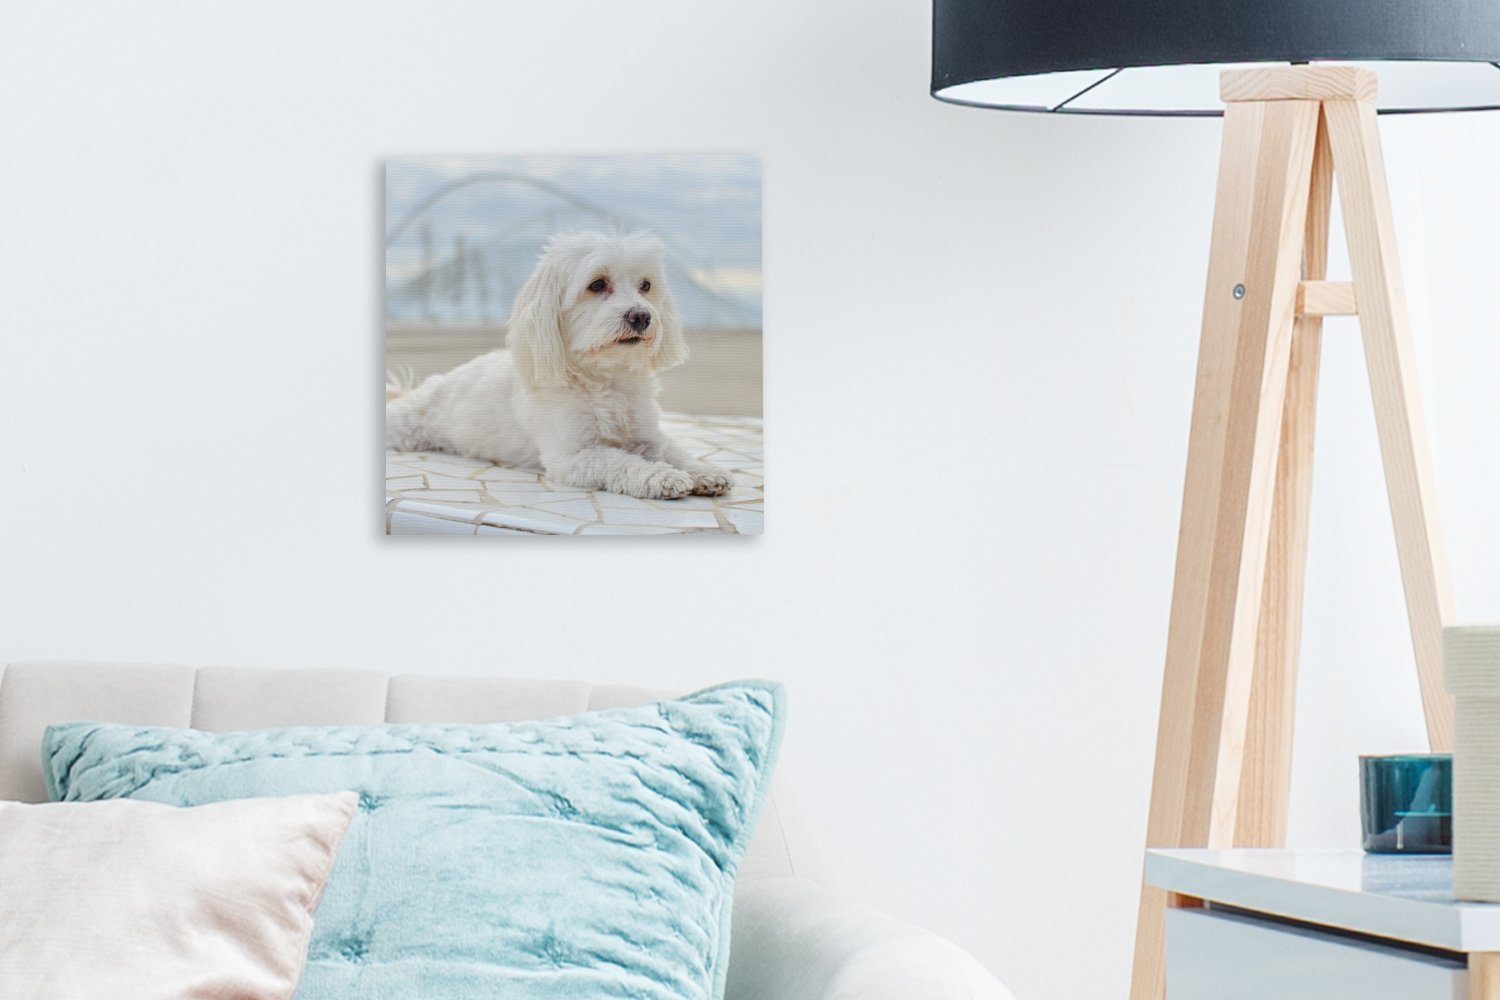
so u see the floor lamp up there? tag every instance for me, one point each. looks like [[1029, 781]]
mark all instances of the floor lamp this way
[[1296, 84]]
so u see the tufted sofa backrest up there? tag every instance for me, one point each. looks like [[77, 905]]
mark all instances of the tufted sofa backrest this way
[[224, 699]]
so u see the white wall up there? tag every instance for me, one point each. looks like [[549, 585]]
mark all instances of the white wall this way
[[980, 346]]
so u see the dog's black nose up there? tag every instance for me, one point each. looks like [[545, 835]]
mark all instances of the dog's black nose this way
[[638, 319]]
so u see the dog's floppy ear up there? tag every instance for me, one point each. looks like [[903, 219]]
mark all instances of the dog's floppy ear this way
[[671, 348], [535, 337]]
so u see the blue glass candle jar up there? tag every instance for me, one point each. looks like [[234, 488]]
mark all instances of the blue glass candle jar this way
[[1406, 803]]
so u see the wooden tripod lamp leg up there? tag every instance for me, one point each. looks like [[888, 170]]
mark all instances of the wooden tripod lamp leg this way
[[1266, 776], [1244, 358], [1398, 406]]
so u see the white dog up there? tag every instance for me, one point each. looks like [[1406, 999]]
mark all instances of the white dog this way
[[575, 395]]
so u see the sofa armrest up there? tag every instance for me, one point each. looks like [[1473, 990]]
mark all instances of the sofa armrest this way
[[794, 940]]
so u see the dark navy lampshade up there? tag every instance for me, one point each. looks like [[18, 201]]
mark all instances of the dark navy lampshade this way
[[1163, 57]]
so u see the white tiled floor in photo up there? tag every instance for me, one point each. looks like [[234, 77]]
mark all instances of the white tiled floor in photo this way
[[435, 493]]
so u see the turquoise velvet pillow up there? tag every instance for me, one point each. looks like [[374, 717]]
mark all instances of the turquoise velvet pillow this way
[[588, 857]]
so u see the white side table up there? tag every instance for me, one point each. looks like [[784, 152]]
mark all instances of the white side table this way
[[1322, 925]]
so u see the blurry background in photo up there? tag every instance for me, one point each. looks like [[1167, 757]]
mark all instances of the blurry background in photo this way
[[462, 235]]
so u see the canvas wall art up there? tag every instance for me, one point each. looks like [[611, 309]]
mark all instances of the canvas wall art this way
[[573, 345]]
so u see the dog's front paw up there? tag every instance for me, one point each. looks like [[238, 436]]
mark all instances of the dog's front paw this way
[[668, 484], [712, 484]]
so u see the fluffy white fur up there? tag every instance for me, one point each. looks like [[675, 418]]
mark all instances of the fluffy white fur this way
[[575, 394]]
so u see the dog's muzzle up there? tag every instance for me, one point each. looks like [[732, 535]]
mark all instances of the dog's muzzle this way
[[636, 322]]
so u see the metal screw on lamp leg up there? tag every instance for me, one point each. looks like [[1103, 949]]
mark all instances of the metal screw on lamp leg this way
[[1239, 291]]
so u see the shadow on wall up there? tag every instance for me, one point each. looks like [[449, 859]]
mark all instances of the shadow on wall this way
[[722, 376]]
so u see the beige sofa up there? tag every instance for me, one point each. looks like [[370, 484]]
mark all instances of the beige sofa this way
[[792, 938]]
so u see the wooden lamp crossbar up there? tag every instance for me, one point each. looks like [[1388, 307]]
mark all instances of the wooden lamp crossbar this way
[[1224, 741]]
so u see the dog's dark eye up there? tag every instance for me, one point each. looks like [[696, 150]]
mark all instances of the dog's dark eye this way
[[645, 286], [598, 285]]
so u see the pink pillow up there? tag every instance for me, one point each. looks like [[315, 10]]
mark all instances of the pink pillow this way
[[136, 899]]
